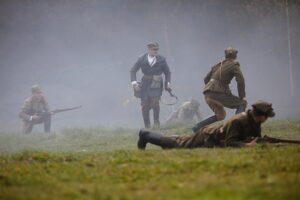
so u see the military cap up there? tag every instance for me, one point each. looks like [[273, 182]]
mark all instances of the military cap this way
[[153, 45], [36, 89], [263, 108], [230, 51]]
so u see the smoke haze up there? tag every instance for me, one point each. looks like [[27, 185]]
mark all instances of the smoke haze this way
[[80, 53]]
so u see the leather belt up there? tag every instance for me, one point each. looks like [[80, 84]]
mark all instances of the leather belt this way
[[148, 76]]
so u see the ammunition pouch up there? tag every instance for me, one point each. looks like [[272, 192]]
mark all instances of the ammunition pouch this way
[[157, 81]]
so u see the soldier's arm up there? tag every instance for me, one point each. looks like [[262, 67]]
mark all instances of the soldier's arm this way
[[134, 69], [167, 71], [208, 76], [233, 132], [24, 110], [46, 105], [181, 114], [240, 80]]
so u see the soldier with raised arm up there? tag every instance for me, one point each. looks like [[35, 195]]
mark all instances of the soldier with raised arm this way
[[30, 111], [150, 89], [217, 92]]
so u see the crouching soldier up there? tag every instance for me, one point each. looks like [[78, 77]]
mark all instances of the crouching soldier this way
[[232, 133], [35, 110], [186, 112], [217, 92]]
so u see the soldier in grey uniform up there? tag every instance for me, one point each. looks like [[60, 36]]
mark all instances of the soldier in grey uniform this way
[[152, 66], [186, 112], [32, 109], [217, 92], [233, 133]]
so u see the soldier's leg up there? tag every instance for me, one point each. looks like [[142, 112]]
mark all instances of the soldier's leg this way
[[47, 123], [27, 127], [145, 112], [156, 109], [231, 101], [156, 139], [217, 108]]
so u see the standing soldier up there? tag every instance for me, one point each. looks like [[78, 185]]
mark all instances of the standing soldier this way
[[152, 65], [32, 109], [217, 92]]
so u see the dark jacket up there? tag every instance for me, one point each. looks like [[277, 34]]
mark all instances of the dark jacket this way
[[158, 68]]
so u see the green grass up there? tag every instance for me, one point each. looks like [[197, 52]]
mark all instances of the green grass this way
[[100, 163]]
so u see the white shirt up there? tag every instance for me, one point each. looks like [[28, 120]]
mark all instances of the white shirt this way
[[151, 60]]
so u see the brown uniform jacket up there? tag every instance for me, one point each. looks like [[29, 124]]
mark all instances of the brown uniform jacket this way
[[220, 76], [232, 133], [31, 107]]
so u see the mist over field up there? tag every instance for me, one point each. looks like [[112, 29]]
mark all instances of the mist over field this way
[[80, 53]]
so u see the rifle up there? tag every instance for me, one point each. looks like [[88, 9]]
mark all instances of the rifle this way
[[266, 138], [172, 95], [46, 113]]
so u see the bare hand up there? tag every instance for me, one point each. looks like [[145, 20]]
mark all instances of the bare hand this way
[[136, 87], [36, 117], [253, 142], [244, 99]]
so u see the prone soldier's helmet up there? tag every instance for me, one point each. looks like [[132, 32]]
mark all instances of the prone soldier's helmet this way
[[153, 45], [230, 52], [263, 108], [36, 89]]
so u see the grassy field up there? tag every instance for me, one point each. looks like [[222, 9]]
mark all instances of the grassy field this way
[[101, 163]]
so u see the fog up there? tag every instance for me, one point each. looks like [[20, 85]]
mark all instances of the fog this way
[[80, 53]]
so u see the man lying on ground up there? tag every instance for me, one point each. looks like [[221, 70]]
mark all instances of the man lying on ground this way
[[232, 133]]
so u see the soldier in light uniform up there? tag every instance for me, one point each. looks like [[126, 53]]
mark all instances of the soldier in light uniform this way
[[217, 92], [233, 133], [186, 112], [31, 110], [153, 66]]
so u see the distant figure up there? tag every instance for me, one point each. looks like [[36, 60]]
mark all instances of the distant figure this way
[[150, 89], [217, 92], [186, 112], [31, 111], [236, 132]]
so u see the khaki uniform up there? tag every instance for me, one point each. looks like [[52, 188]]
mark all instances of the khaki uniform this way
[[232, 133], [30, 107], [185, 113], [217, 92]]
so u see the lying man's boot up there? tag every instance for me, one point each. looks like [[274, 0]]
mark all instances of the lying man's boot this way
[[205, 122], [147, 136]]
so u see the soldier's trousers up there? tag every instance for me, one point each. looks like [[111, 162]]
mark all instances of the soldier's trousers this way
[[28, 126], [217, 102], [147, 105]]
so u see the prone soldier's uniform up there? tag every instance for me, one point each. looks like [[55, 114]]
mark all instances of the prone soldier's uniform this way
[[186, 112], [217, 92], [232, 133], [33, 106], [151, 83]]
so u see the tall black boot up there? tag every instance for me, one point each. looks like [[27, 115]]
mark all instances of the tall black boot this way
[[205, 122], [147, 136], [240, 109]]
